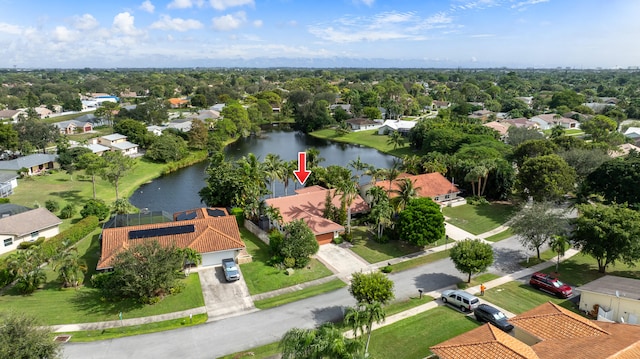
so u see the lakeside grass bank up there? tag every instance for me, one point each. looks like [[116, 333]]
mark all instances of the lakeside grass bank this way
[[368, 138]]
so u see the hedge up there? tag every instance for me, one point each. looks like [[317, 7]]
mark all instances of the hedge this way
[[68, 237]]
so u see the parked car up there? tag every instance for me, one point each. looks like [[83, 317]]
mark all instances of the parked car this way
[[487, 313], [231, 272], [550, 284], [460, 299]]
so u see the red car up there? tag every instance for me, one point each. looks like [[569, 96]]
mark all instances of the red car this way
[[550, 284]]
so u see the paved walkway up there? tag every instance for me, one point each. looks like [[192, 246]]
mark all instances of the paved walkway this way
[[454, 233]]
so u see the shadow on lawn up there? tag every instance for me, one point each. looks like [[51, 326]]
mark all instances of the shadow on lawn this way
[[92, 301], [72, 196]]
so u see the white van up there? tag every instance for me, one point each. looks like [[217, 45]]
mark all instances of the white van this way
[[460, 299]]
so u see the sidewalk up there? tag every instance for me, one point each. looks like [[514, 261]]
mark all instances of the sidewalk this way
[[473, 290], [454, 233]]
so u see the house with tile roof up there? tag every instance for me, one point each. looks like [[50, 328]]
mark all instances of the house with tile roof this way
[[308, 204], [548, 331], [433, 185], [35, 163], [27, 226], [501, 128], [612, 298], [178, 102], [210, 231]]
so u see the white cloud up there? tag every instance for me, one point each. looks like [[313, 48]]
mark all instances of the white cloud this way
[[123, 22], [527, 3], [383, 26], [177, 24], [62, 34], [147, 6], [225, 4], [85, 22], [229, 21], [483, 35], [257, 23], [10, 29], [184, 4]]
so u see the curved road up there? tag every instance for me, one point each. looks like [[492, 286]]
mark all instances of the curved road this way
[[244, 332]]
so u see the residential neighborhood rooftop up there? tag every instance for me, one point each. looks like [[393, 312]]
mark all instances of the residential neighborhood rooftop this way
[[28, 222], [613, 285], [427, 185]]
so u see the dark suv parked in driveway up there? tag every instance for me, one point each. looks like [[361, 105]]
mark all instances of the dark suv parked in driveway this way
[[550, 284], [487, 313]]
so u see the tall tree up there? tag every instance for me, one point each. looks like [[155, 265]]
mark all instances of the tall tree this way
[[198, 135], [471, 256], [274, 170], [348, 191], [608, 233], [116, 166], [395, 139], [545, 178], [404, 194], [69, 266], [559, 244], [374, 287], [92, 165], [361, 319], [8, 137], [37, 133], [421, 222], [527, 224]]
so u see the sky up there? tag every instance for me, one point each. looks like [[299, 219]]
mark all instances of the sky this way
[[319, 33]]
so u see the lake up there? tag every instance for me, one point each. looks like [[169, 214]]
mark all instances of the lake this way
[[178, 191]]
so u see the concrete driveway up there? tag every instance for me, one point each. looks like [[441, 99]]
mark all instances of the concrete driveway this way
[[341, 261], [221, 298]]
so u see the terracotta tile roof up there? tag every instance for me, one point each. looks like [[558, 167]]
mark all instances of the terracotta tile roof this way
[[562, 334], [211, 234], [178, 101], [308, 204], [500, 127], [550, 321], [485, 342], [429, 184]]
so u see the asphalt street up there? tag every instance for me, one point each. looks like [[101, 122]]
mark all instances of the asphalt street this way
[[247, 331]]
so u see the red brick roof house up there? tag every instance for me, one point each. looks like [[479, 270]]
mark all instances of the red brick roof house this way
[[308, 204], [210, 231], [433, 185], [546, 332]]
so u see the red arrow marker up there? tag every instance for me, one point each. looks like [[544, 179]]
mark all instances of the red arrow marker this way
[[302, 174]]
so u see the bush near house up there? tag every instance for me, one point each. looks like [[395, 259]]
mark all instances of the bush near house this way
[[68, 237]]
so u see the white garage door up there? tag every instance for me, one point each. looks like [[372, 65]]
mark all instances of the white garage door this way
[[215, 258]]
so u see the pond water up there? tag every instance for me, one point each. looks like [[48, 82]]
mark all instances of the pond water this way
[[178, 191]]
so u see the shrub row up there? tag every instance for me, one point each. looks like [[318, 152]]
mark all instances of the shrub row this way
[[193, 158], [68, 237]]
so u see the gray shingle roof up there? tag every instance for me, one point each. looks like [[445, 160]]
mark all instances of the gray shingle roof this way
[[27, 161], [28, 222]]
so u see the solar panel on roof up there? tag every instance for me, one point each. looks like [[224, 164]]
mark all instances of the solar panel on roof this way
[[159, 232], [216, 212], [185, 216]]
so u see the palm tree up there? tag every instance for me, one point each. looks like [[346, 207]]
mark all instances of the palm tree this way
[[273, 169], [360, 167], [559, 244], [348, 191], [25, 266], [412, 164], [396, 139], [376, 195], [382, 216], [288, 167], [327, 341], [69, 266], [405, 192], [313, 157], [362, 317], [191, 256], [274, 215]]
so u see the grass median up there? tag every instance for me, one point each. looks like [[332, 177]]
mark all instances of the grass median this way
[[113, 333], [299, 294]]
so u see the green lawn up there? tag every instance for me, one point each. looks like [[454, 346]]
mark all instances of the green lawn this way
[[54, 305], [482, 278], [411, 338], [416, 262], [374, 252], [265, 351], [299, 294], [518, 298], [478, 219], [580, 269], [500, 236], [365, 138], [262, 277], [401, 306], [111, 333]]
